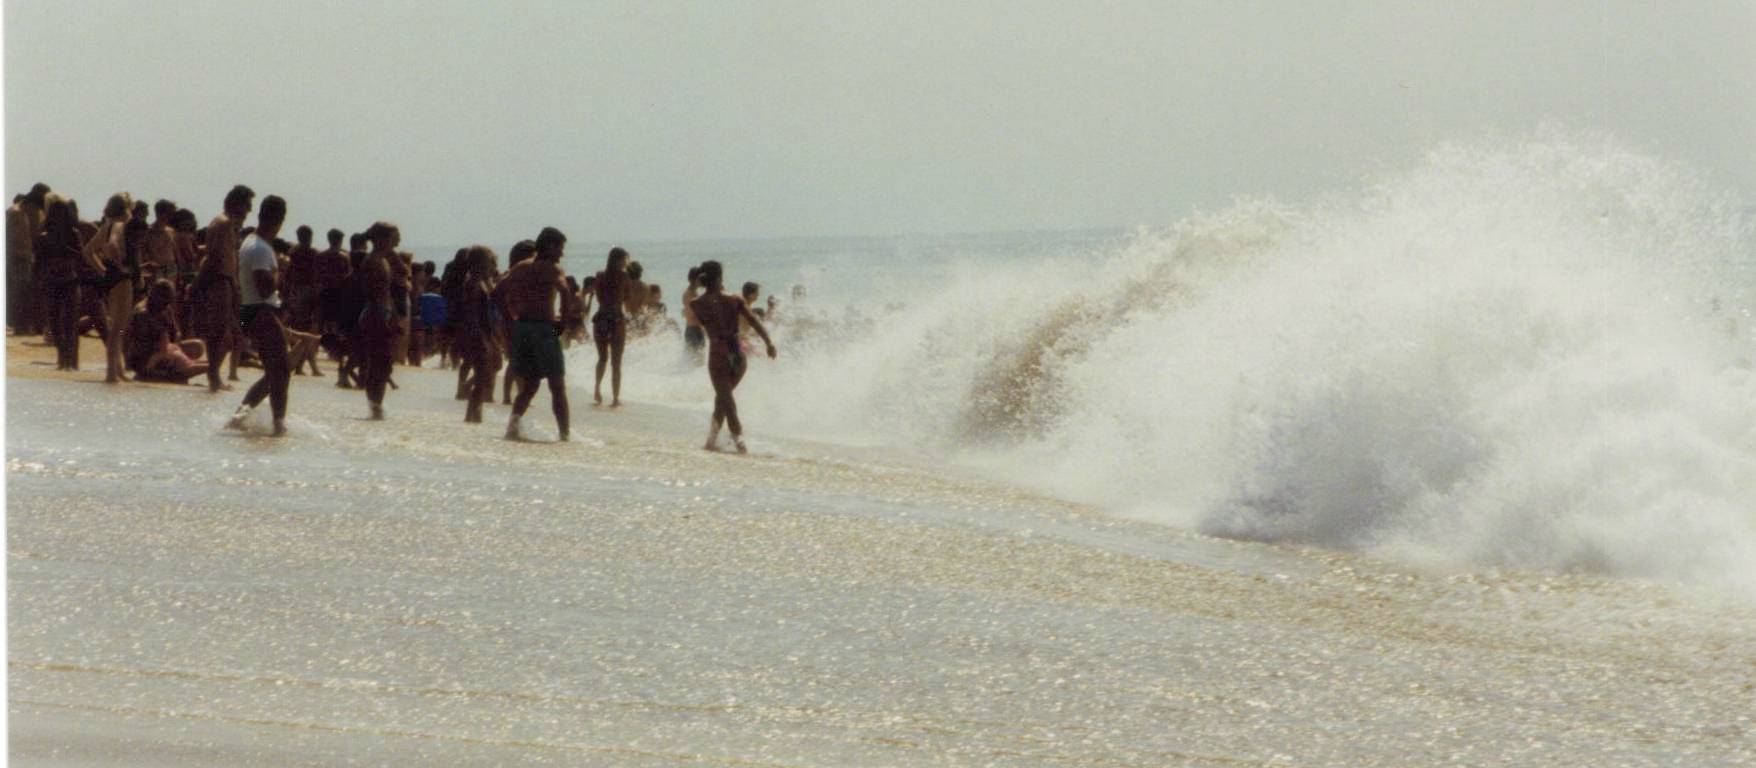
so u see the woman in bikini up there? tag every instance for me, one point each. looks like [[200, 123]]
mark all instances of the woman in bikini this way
[[719, 314], [609, 327]]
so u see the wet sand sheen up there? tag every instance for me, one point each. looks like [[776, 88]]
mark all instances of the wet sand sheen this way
[[421, 590]]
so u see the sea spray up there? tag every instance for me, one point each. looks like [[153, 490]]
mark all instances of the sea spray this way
[[1529, 354]]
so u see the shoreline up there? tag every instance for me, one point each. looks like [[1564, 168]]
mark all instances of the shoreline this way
[[422, 590]]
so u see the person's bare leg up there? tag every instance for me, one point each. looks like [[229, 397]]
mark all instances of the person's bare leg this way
[[527, 391], [480, 389], [237, 349], [732, 423], [216, 346], [603, 362], [118, 304], [616, 372], [719, 418], [465, 384], [558, 400]]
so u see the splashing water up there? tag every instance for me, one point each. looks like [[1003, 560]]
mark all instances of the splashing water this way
[[1530, 354]]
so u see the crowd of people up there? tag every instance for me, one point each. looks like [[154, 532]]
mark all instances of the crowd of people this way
[[173, 302]]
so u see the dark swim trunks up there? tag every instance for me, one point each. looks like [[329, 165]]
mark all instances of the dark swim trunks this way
[[535, 351], [608, 324]]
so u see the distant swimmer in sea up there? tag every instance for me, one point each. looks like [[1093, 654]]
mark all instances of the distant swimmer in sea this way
[[609, 327], [529, 292], [260, 314], [720, 315]]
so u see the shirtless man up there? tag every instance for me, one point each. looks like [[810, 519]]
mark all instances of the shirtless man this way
[[161, 240], [24, 224], [720, 315], [216, 286], [528, 292], [472, 321], [301, 279], [609, 327], [332, 271], [634, 299]]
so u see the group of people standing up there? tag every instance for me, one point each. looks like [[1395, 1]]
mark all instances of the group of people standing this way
[[231, 288]]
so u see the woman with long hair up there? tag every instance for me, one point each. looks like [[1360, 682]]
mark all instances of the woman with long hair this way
[[609, 327], [473, 323], [106, 257], [719, 313], [58, 259], [379, 328]]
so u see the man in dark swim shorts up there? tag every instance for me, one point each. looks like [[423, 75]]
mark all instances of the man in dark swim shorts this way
[[528, 293]]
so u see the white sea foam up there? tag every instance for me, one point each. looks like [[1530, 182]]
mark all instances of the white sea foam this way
[[1530, 354]]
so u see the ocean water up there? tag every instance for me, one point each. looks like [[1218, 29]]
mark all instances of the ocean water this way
[[1531, 354], [1454, 468]]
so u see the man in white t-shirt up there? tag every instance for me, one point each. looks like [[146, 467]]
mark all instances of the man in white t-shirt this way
[[260, 317]]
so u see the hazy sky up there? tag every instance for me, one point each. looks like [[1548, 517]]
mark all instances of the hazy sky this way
[[469, 121]]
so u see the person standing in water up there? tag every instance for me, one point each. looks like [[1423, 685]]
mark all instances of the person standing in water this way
[[719, 314], [378, 328], [529, 292], [609, 327], [216, 286], [473, 325], [260, 316]]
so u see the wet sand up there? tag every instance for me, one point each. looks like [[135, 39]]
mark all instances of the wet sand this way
[[421, 591]]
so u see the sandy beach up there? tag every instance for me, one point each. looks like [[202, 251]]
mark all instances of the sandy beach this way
[[421, 591]]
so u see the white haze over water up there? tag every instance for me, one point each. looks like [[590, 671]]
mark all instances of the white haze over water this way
[[1531, 354]]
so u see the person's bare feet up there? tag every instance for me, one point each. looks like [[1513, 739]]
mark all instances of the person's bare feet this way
[[512, 431], [597, 398], [280, 430], [615, 403], [377, 413], [739, 441]]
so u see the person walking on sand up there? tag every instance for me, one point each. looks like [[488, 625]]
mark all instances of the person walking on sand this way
[[609, 327], [719, 314], [260, 316], [529, 292]]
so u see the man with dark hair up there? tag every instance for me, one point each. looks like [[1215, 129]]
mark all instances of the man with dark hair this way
[[528, 293], [261, 318], [134, 238], [24, 224], [161, 240], [302, 282], [216, 286], [332, 271]]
